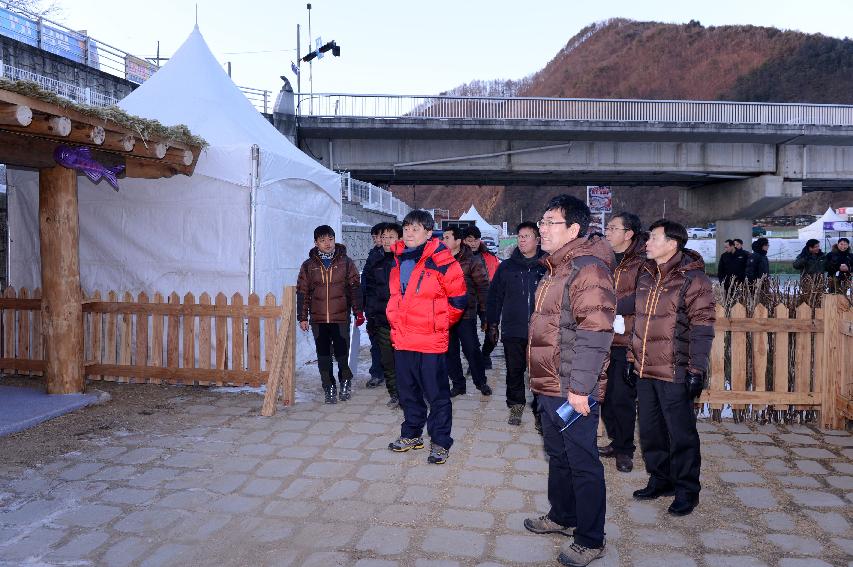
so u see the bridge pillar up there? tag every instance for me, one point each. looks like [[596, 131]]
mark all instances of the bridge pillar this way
[[284, 112], [729, 229]]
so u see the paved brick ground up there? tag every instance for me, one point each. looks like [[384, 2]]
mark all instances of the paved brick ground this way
[[315, 485]]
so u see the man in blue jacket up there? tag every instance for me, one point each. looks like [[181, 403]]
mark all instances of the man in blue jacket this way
[[508, 307]]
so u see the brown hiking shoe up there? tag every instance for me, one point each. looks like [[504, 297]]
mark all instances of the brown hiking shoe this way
[[545, 525], [575, 555]]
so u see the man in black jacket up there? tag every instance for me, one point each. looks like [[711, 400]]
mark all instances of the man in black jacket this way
[[509, 305], [757, 265], [738, 266], [376, 283], [376, 253], [839, 265], [725, 266]]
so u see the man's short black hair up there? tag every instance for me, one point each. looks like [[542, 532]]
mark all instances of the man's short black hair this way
[[672, 230], [811, 242], [528, 224], [631, 222], [323, 230], [730, 242], [389, 226], [573, 210], [421, 217], [739, 241], [456, 231], [843, 239], [761, 242], [472, 231], [377, 228]]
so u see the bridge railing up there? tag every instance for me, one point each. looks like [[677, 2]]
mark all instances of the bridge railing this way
[[372, 197], [70, 91], [539, 108]]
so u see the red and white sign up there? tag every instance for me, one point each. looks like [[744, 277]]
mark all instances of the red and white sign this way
[[599, 199]]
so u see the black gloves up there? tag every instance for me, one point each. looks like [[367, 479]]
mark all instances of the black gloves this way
[[630, 376], [695, 384], [492, 333]]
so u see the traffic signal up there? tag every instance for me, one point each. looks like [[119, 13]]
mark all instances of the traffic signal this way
[[330, 46]]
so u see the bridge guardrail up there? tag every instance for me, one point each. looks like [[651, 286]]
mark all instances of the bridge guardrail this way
[[572, 109], [372, 197], [66, 90]]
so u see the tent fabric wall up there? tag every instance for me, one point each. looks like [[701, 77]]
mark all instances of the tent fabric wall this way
[[815, 230], [486, 229]]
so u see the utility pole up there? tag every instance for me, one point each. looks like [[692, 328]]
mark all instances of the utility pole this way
[[310, 65], [298, 67]]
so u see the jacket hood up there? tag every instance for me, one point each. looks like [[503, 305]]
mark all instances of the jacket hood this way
[[582, 246], [518, 257], [684, 261], [638, 246], [430, 247], [757, 248], [340, 250], [482, 249], [464, 253]]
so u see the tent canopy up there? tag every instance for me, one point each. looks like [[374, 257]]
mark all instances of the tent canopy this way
[[815, 229], [486, 229]]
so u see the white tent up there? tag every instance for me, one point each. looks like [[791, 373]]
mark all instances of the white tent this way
[[815, 229], [199, 233], [486, 229]]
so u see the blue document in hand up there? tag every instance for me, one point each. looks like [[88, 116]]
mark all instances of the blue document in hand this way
[[568, 414]]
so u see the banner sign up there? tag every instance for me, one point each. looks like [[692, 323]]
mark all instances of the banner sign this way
[[599, 199], [838, 226], [137, 70], [65, 43]]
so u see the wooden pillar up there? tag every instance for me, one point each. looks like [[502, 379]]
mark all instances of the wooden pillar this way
[[62, 313], [834, 369]]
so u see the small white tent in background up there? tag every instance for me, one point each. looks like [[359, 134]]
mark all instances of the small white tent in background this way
[[815, 229], [200, 233], [486, 229]]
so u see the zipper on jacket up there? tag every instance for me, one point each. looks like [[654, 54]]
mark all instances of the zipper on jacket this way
[[539, 298], [420, 279], [654, 301]]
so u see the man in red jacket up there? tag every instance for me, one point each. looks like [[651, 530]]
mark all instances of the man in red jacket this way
[[428, 296]]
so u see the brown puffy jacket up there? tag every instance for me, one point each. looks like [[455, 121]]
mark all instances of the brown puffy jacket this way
[[625, 281], [674, 324], [328, 295], [571, 327], [476, 280]]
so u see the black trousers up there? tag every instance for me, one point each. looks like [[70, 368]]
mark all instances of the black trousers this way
[[464, 334], [386, 349], [515, 354], [332, 339], [576, 489], [620, 404], [668, 435], [422, 382]]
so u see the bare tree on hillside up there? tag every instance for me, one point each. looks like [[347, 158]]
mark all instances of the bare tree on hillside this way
[[43, 8]]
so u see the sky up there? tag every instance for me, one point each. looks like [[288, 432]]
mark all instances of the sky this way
[[402, 47]]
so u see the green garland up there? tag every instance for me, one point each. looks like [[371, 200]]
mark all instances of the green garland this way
[[146, 129]]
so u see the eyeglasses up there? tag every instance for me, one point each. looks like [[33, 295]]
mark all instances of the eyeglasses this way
[[612, 228], [543, 222]]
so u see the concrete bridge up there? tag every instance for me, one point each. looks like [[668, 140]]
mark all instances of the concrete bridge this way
[[735, 160]]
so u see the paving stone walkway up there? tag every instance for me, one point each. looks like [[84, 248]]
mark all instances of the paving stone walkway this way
[[316, 486]]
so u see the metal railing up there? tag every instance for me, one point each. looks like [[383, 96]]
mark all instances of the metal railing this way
[[259, 98], [571, 109], [372, 197], [70, 91]]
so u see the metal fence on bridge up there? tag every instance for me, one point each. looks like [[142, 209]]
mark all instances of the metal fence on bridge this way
[[372, 197], [605, 110]]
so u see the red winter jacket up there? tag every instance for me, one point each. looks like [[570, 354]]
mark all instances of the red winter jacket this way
[[434, 299], [490, 260]]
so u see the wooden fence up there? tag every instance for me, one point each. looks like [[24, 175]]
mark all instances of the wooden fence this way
[[210, 341], [771, 360]]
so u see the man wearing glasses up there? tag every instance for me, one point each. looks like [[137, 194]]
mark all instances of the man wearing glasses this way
[[571, 329], [625, 235]]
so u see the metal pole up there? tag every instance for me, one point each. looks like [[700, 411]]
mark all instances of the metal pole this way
[[310, 66], [299, 69]]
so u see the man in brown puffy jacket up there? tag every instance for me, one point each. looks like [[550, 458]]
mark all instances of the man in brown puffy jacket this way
[[571, 329], [327, 290], [625, 235], [673, 332]]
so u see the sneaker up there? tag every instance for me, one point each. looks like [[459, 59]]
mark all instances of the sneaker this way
[[485, 390], [576, 555], [403, 444], [515, 414], [394, 402], [454, 391], [537, 422], [331, 394], [437, 454], [375, 381], [545, 525]]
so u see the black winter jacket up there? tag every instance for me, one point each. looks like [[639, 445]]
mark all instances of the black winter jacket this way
[[512, 294], [757, 265], [834, 260], [376, 253], [375, 280]]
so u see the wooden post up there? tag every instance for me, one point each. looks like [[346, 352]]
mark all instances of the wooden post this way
[[283, 359], [834, 369], [62, 312]]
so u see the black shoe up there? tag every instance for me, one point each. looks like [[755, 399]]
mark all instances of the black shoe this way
[[346, 389], [607, 451], [454, 391], [394, 402], [485, 390], [331, 394], [375, 381], [624, 463], [683, 504], [652, 491], [537, 422]]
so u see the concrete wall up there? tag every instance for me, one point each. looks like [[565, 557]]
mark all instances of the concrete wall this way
[[33, 59], [356, 235]]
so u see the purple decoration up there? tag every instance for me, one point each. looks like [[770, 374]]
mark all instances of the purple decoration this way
[[81, 159]]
